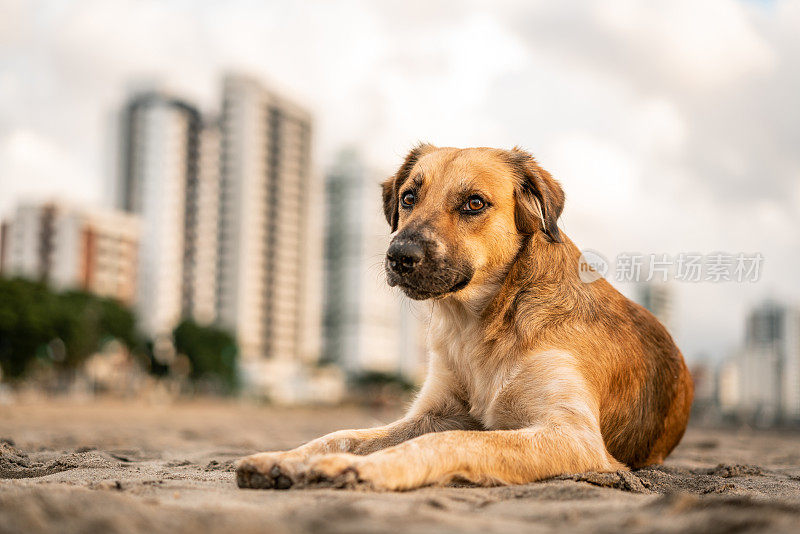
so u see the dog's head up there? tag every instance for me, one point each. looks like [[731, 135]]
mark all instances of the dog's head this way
[[460, 217]]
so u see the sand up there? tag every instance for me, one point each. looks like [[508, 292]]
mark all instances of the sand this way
[[123, 467]]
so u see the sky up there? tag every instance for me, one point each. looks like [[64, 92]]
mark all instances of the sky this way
[[673, 126]]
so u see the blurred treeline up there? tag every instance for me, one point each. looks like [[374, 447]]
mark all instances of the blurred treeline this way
[[59, 331]]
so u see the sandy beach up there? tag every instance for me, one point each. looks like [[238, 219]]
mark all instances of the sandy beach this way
[[138, 467]]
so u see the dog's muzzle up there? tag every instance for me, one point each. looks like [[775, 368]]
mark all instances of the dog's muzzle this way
[[411, 264]]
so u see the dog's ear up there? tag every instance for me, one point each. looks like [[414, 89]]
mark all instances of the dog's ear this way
[[390, 207], [539, 197], [391, 186]]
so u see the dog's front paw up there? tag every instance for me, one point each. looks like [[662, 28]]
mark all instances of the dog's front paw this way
[[350, 471], [267, 470], [334, 470]]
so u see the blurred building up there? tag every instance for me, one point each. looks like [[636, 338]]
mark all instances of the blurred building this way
[[265, 172], [772, 344], [367, 327], [5, 236], [763, 377], [704, 380], [199, 294], [728, 390], [705, 406], [73, 248], [657, 297], [224, 216], [159, 161]]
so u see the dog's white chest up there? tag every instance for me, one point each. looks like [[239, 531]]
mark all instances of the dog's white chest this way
[[483, 378], [486, 393]]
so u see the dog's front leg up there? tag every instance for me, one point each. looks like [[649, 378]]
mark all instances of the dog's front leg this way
[[282, 470], [437, 408], [481, 457]]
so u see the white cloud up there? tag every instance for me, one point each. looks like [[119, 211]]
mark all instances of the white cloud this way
[[36, 168], [702, 44], [599, 176]]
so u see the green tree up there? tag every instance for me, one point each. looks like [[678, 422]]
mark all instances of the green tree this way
[[212, 353], [25, 326], [67, 327]]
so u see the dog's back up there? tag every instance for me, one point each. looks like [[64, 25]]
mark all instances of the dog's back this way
[[646, 406], [643, 389]]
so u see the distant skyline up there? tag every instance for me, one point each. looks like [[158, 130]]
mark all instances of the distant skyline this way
[[673, 126]]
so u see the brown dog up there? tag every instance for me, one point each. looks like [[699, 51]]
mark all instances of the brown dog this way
[[533, 373]]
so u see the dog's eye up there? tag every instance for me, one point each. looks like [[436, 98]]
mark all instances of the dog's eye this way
[[408, 199], [473, 204]]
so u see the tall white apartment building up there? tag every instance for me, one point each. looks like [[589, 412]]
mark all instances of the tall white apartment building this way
[[367, 325], [202, 229], [72, 248], [759, 383], [764, 375], [657, 297], [771, 360], [790, 370], [265, 172], [159, 159]]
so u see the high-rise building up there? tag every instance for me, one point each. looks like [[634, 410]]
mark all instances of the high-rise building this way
[[767, 379], [657, 298], [5, 236], [367, 326], [202, 228], [728, 386], [265, 173], [790, 371], [759, 384], [772, 345], [160, 143], [73, 248]]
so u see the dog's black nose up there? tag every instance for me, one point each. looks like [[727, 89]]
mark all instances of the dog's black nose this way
[[404, 257]]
